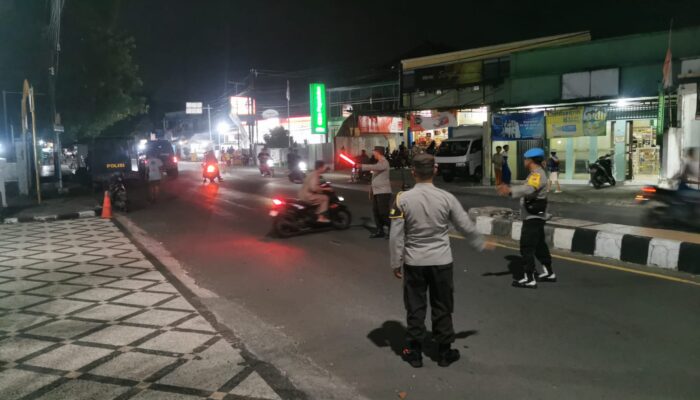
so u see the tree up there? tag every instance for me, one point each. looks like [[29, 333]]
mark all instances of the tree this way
[[278, 138], [98, 84], [98, 81]]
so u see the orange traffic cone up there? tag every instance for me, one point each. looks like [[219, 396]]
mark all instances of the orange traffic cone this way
[[107, 206]]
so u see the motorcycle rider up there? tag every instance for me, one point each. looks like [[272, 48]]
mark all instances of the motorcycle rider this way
[[292, 160], [313, 193], [263, 156], [210, 159]]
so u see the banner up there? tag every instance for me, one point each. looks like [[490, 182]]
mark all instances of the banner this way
[[517, 126], [440, 120], [382, 125], [565, 123], [595, 119], [577, 121]]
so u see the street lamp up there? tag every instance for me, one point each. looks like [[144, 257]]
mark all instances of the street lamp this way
[[222, 127]]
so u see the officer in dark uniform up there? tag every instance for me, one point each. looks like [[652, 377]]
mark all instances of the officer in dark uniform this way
[[420, 254], [533, 211]]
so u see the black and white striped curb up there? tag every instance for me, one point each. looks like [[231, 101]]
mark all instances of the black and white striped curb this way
[[644, 250], [53, 217]]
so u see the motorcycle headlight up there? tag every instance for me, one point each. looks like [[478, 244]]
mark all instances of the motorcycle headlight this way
[[341, 198], [302, 166], [270, 163]]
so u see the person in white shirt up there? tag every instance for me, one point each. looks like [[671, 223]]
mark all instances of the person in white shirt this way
[[155, 166]]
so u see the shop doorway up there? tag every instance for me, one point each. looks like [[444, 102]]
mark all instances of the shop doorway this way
[[644, 160]]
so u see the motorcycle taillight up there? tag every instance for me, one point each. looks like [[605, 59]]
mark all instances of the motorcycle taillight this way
[[210, 168]]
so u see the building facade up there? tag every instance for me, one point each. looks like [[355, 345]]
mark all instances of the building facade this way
[[600, 97]]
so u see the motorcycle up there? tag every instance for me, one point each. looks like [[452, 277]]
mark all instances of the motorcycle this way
[[210, 172], [297, 173], [601, 171], [357, 176], [117, 193], [292, 217], [267, 168], [668, 207]]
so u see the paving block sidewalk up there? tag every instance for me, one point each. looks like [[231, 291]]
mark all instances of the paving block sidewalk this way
[[85, 315]]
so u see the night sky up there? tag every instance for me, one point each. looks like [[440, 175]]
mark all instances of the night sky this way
[[182, 44]]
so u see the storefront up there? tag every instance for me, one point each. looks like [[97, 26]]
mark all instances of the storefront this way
[[581, 134], [517, 132], [626, 129], [432, 125]]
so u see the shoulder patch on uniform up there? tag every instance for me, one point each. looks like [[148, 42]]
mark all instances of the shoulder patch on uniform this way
[[534, 180], [396, 211]]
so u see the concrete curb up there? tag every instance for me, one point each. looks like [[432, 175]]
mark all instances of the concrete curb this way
[[53, 217], [643, 250]]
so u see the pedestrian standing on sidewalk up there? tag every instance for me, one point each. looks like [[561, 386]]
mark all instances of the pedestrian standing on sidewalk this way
[[497, 160], [380, 191], [553, 167], [506, 174], [533, 211], [155, 166], [420, 253]]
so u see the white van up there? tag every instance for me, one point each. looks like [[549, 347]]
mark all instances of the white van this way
[[462, 156]]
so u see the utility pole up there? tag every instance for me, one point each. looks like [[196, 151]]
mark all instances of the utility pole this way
[[4, 109], [211, 139], [289, 123], [55, 37]]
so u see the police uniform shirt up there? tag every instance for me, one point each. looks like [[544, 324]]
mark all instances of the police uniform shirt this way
[[420, 221], [535, 187]]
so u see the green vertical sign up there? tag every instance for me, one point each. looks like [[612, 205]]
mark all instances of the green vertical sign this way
[[317, 101]]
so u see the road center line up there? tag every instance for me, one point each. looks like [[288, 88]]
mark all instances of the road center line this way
[[603, 265]]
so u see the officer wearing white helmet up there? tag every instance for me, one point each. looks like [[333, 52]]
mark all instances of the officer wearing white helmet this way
[[533, 211]]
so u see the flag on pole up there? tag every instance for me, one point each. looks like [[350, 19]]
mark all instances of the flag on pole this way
[[668, 67], [288, 96], [668, 62]]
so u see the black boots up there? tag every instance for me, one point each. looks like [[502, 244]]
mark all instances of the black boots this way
[[412, 355], [447, 355]]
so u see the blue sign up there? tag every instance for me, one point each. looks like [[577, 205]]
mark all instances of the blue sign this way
[[517, 126]]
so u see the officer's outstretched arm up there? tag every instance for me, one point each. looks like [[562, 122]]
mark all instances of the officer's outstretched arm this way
[[461, 221]]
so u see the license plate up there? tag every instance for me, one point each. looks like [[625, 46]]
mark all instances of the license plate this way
[[274, 213]]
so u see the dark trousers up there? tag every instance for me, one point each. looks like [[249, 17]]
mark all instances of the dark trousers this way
[[533, 245], [381, 204], [417, 281]]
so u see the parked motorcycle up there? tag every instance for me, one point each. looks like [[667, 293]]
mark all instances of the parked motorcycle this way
[[297, 172], [292, 217], [670, 207], [210, 172], [267, 168], [601, 171], [117, 193]]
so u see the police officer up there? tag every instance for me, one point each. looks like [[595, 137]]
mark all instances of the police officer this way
[[381, 191], [420, 254], [533, 211]]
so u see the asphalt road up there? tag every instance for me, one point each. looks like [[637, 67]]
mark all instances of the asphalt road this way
[[598, 333]]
